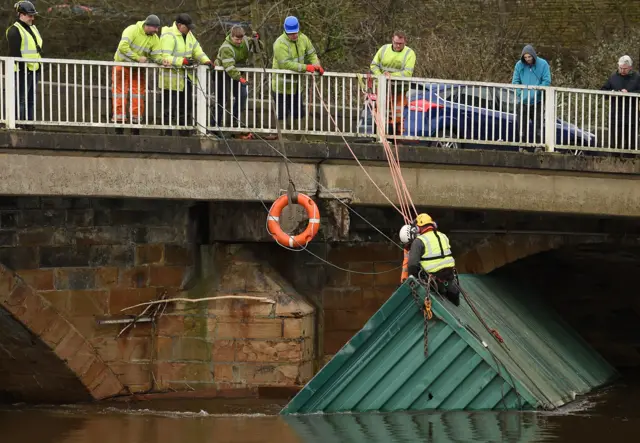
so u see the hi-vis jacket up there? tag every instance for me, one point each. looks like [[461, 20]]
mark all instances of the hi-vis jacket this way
[[28, 46], [432, 251], [231, 56], [135, 44], [175, 47], [294, 56], [397, 64]]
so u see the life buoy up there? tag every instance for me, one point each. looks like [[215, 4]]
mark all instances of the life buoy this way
[[300, 240]]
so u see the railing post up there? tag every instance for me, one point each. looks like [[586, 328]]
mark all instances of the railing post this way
[[550, 119], [10, 92], [382, 103], [202, 99]]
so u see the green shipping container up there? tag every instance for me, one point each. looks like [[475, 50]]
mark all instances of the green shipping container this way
[[542, 364]]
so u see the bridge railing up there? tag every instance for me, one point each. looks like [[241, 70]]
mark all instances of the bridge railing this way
[[100, 94]]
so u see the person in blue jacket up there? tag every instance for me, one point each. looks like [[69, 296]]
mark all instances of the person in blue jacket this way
[[531, 70]]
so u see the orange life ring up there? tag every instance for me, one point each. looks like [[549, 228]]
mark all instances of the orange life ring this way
[[300, 240]]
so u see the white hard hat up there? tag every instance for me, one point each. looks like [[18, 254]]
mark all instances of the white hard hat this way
[[407, 234]]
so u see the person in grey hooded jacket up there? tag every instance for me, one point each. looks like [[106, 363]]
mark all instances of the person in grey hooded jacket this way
[[530, 70]]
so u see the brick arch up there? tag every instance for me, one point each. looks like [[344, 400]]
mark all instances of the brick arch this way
[[43, 321], [499, 250]]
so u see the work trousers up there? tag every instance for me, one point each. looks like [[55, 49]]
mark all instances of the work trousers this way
[[26, 83], [395, 108], [132, 82], [178, 105]]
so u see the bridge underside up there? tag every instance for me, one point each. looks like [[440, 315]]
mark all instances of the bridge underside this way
[[30, 371]]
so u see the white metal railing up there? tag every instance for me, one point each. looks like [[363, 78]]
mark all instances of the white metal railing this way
[[74, 93]]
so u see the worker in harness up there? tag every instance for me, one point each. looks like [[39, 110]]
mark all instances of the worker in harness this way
[[408, 234], [231, 86], [179, 48], [139, 44], [431, 253], [25, 42], [395, 60]]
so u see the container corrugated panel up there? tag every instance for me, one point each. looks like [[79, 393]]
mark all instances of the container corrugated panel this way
[[440, 427], [541, 364]]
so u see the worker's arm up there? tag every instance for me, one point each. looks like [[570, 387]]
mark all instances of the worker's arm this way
[[198, 54], [415, 254], [156, 51], [124, 47], [411, 63], [15, 42], [228, 60], [376, 66], [310, 55], [167, 46], [281, 53]]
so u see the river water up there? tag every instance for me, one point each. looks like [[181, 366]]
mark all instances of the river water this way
[[610, 415]]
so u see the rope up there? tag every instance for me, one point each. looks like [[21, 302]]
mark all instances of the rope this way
[[312, 178], [404, 198], [303, 247]]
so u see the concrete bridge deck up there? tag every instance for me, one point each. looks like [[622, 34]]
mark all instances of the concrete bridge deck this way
[[193, 168]]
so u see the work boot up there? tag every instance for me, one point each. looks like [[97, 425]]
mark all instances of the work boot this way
[[119, 131]]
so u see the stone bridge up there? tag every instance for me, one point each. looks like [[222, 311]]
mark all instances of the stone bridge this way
[[91, 224]]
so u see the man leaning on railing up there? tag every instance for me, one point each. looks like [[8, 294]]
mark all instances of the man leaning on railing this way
[[139, 43], [230, 85], [530, 70], [622, 110], [180, 48], [395, 60], [293, 51], [25, 42]]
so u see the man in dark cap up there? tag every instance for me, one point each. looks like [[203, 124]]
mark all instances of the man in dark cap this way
[[179, 49]]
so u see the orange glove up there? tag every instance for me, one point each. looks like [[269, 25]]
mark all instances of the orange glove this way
[[319, 69], [311, 68], [243, 80]]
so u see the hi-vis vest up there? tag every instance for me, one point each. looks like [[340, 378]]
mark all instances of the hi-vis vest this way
[[175, 48], [397, 64], [28, 47], [437, 252]]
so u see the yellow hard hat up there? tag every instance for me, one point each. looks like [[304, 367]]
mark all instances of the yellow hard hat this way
[[423, 220]]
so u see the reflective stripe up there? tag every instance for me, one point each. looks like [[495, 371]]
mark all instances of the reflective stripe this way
[[228, 60], [290, 242], [229, 68], [122, 55], [436, 266], [273, 218], [314, 220]]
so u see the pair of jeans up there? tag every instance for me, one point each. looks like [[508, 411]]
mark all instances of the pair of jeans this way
[[231, 101]]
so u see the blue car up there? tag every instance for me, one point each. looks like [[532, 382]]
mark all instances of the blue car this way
[[482, 116]]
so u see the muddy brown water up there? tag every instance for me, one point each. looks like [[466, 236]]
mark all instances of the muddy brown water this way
[[610, 415]]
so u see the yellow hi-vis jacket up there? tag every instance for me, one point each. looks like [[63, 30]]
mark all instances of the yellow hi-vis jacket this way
[[437, 252], [175, 47], [135, 44], [397, 64], [28, 47], [294, 56]]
